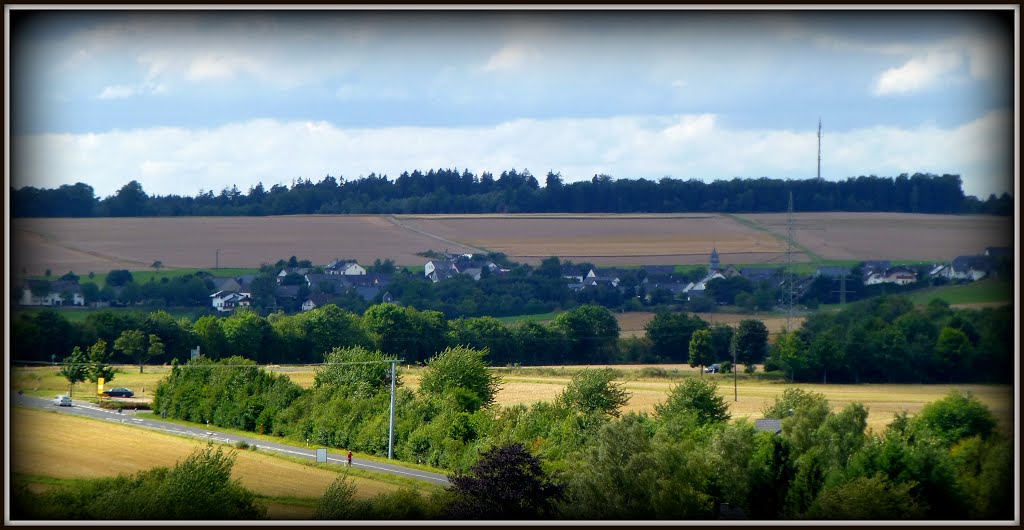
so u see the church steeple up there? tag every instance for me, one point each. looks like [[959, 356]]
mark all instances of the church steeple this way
[[713, 264]]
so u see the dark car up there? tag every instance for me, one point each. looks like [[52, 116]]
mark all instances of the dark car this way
[[118, 392]]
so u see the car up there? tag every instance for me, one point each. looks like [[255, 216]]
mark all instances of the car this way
[[62, 401], [713, 369], [118, 392]]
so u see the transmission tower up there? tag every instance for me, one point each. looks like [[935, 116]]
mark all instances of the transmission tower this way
[[819, 148]]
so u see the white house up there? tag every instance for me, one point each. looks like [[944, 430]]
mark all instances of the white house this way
[[225, 301], [344, 268], [438, 270], [971, 268], [59, 293]]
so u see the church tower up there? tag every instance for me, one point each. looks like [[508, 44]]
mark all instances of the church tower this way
[[713, 264]]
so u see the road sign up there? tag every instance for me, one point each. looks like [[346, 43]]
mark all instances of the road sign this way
[[99, 386], [321, 455]]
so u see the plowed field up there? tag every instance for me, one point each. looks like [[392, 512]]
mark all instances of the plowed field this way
[[102, 244]]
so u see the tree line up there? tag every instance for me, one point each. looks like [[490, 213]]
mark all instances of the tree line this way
[[451, 191], [880, 340]]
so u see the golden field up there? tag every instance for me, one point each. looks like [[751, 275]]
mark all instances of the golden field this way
[[55, 445]]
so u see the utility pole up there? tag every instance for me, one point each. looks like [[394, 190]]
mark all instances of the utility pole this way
[[391, 421], [735, 369], [217, 260]]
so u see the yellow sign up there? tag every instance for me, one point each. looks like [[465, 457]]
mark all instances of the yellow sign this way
[[99, 386]]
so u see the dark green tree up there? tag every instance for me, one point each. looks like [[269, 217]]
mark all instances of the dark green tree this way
[[506, 483], [702, 352], [697, 397], [751, 342], [594, 390]]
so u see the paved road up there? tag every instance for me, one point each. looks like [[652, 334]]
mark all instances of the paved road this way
[[128, 418]]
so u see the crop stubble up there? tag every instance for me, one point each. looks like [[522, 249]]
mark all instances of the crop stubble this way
[[101, 244]]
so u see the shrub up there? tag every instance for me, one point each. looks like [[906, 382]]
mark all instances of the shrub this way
[[594, 391], [698, 397]]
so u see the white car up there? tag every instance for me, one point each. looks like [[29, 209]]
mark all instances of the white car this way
[[62, 401], [713, 369]]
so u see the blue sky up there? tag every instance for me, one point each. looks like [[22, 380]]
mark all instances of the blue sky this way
[[190, 100]]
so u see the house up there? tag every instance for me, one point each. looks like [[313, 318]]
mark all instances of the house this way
[[971, 268], [368, 293], [344, 268], [656, 271], [315, 300], [473, 273], [225, 301], [771, 425], [938, 270], [291, 270], [869, 266], [900, 276], [698, 289], [438, 270], [761, 274], [386, 298], [58, 293], [226, 284]]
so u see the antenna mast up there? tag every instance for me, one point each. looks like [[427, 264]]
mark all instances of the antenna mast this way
[[819, 148]]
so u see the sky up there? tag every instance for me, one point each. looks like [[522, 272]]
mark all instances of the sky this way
[[185, 101]]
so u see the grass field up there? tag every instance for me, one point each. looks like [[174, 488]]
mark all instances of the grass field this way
[[988, 291], [58, 446]]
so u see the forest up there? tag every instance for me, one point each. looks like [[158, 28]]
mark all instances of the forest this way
[[449, 191]]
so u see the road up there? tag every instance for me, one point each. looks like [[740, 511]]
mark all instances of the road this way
[[90, 410]]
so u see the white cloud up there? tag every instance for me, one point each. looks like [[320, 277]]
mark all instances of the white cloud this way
[[918, 73], [116, 92], [181, 161], [511, 58]]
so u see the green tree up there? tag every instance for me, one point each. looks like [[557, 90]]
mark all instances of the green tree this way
[[670, 334], [461, 368], [213, 343], [506, 483], [955, 417], [594, 390], [248, 335], [952, 352], [867, 498], [157, 265], [592, 332], [156, 349], [332, 327], [702, 351], [751, 342], [132, 343], [354, 372], [75, 368], [99, 358], [697, 397]]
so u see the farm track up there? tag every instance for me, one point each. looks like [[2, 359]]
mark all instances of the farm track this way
[[395, 221]]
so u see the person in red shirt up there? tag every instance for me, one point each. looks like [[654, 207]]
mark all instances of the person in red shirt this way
[[350, 458]]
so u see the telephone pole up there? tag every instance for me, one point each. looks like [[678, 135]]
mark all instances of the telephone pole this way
[[391, 420]]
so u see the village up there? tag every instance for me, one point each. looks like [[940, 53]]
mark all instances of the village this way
[[300, 286]]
